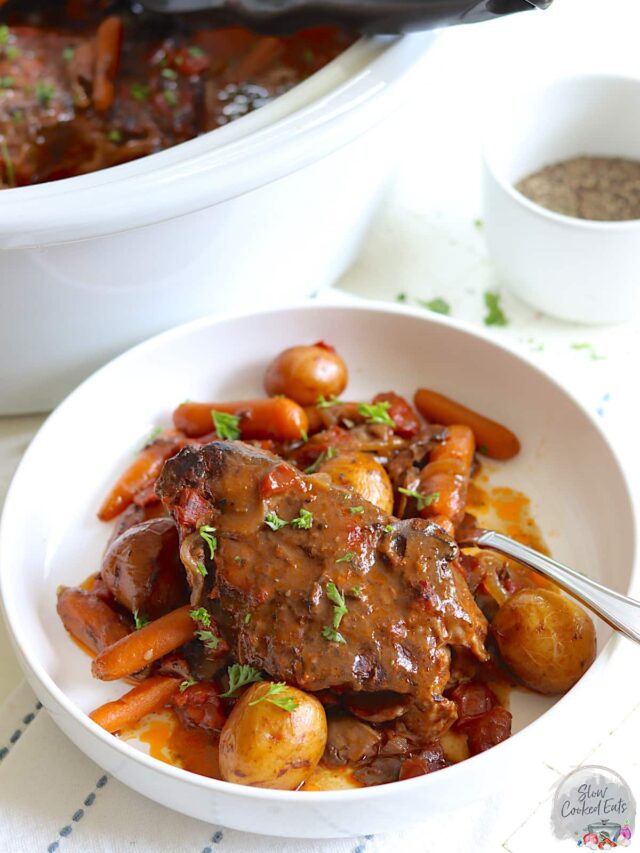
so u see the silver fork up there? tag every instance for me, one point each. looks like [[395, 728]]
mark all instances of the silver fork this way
[[619, 611]]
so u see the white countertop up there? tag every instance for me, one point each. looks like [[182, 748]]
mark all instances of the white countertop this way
[[428, 243]]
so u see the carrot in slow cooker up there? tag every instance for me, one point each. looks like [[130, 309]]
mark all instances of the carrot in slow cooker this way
[[108, 43], [492, 438]]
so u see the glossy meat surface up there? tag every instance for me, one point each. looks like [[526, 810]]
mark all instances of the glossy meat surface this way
[[272, 592]]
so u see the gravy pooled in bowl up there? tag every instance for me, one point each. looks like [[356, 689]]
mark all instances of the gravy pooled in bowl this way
[[87, 85]]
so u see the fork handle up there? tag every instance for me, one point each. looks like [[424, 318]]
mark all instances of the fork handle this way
[[619, 611], [365, 16]]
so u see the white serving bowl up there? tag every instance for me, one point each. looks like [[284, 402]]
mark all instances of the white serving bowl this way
[[574, 269], [49, 534], [93, 264]]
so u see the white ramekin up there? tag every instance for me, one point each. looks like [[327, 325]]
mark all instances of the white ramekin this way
[[573, 269], [259, 212]]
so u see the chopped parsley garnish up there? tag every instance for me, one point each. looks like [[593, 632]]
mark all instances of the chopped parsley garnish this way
[[115, 136], [186, 684], [209, 639], [68, 53], [329, 453], [169, 74], [421, 500], [589, 348], [6, 82], [206, 532], [13, 52], [356, 591], [377, 413], [332, 635], [340, 608], [4, 34], [346, 558], [303, 521], [155, 433], [247, 618], [438, 305], [44, 93], [140, 620], [401, 297], [327, 402], [201, 614], [483, 449], [17, 116], [478, 223], [389, 528], [139, 91], [195, 51], [226, 425], [170, 97], [273, 520], [304, 435], [495, 315], [308, 55], [356, 510], [239, 676], [202, 569], [273, 695]]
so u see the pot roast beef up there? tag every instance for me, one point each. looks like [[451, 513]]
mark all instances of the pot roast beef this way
[[331, 598]]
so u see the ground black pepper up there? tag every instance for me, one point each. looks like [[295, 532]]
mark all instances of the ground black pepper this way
[[599, 188]]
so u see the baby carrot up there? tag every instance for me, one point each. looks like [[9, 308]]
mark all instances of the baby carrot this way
[[146, 697], [89, 619], [445, 478], [137, 650], [492, 438], [275, 417], [142, 472]]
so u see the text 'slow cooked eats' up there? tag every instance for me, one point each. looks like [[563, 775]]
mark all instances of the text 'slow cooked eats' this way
[[284, 594]]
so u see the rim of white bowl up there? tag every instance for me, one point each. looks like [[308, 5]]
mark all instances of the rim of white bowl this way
[[495, 170], [208, 169], [48, 685]]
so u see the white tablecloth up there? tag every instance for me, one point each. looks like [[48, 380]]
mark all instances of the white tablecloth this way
[[426, 243]]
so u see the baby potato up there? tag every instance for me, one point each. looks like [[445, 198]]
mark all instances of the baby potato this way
[[362, 473], [304, 373], [266, 746], [547, 639]]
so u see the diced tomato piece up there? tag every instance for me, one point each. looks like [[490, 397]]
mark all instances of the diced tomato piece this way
[[280, 479], [190, 60], [200, 706], [489, 730], [420, 763], [407, 423], [473, 699], [193, 509]]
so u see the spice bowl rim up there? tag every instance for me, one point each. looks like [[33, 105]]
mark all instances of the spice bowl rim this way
[[494, 167]]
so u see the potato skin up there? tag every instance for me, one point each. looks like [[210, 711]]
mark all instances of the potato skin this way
[[362, 473], [545, 638], [267, 747], [303, 373]]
